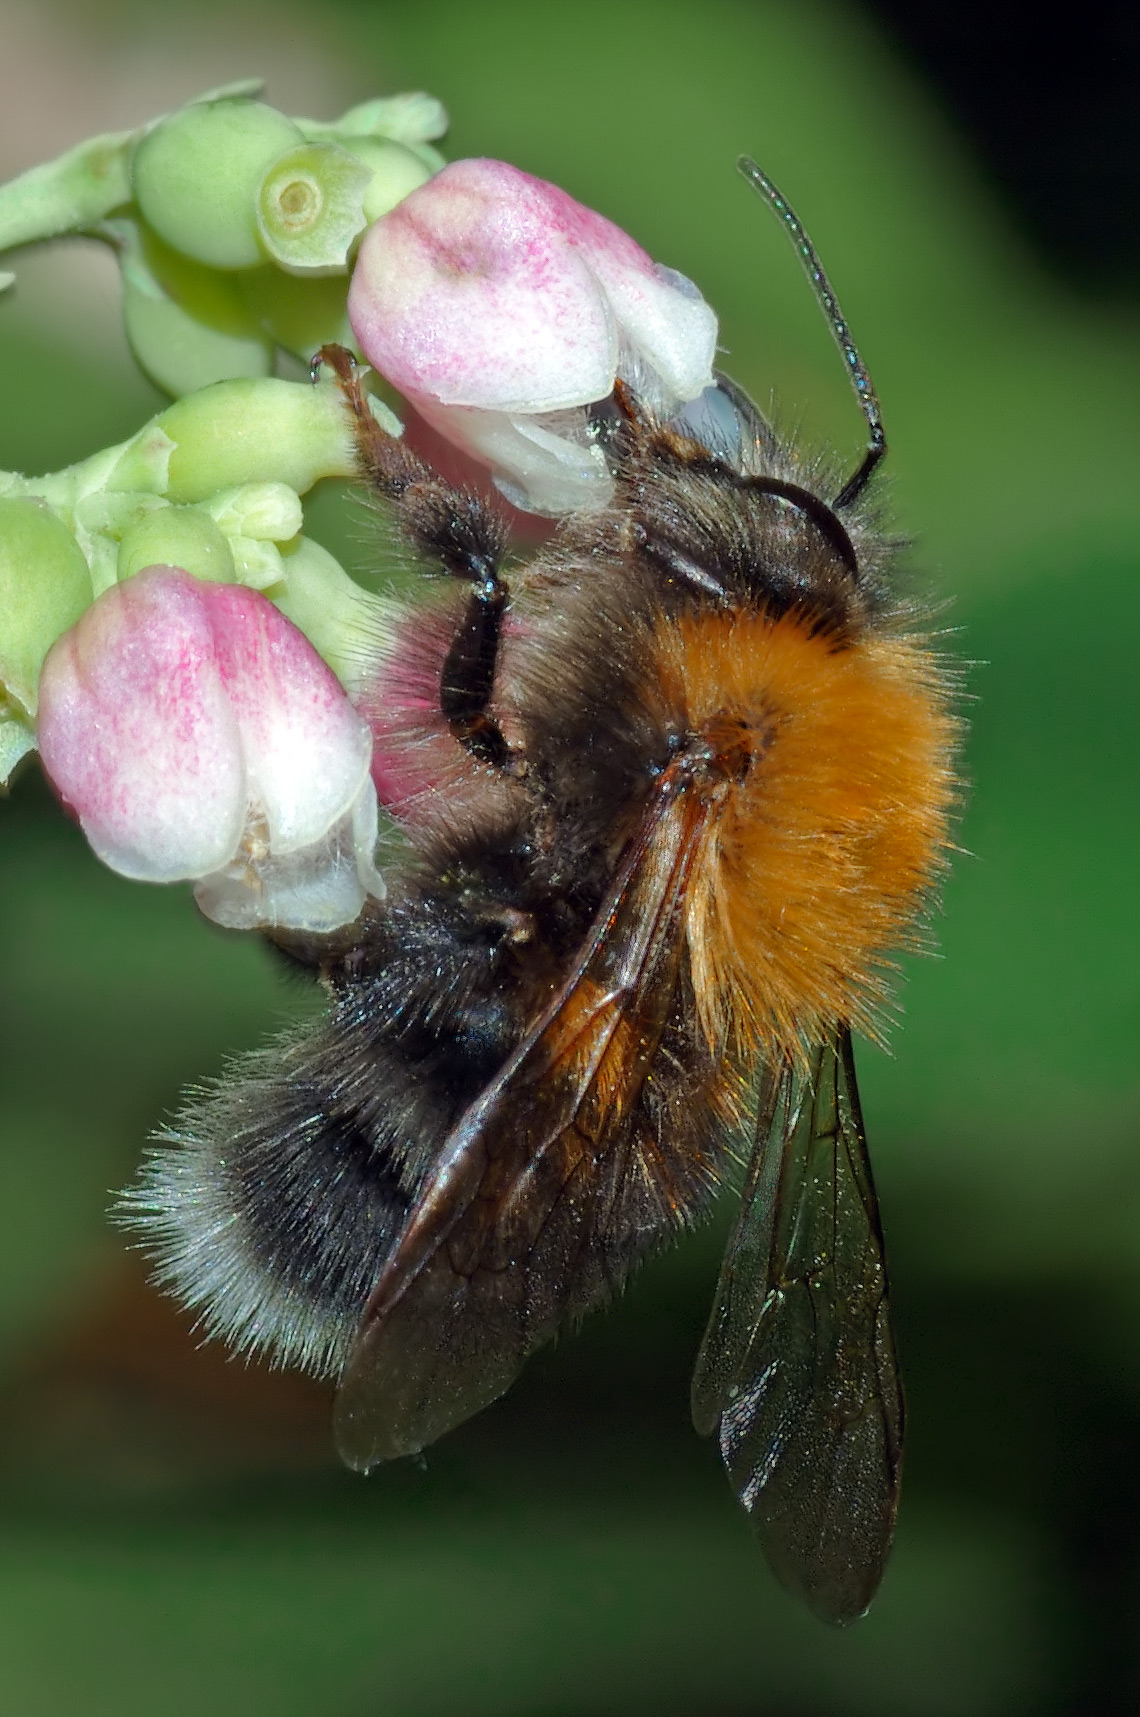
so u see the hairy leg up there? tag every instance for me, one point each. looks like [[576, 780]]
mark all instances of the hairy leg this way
[[455, 528]]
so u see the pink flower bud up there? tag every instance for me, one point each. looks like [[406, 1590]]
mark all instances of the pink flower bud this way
[[494, 300], [195, 733]]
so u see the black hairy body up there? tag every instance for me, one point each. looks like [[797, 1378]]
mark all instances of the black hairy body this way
[[296, 1177]]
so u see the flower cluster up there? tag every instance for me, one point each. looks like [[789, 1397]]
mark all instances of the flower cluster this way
[[234, 224], [186, 658], [211, 486]]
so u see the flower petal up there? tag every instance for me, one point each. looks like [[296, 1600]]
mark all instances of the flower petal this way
[[542, 464], [137, 734], [471, 291], [307, 751], [317, 888]]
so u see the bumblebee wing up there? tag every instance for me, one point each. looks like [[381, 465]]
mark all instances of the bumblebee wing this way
[[510, 1233], [797, 1369]]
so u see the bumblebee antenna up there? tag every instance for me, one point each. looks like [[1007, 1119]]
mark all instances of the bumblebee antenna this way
[[829, 304]]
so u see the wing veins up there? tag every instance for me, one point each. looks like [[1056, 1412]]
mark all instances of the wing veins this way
[[797, 1369]]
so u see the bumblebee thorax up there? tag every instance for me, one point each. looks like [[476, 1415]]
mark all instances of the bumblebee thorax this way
[[823, 846]]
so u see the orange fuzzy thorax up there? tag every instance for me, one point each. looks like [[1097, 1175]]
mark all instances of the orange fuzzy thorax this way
[[818, 862]]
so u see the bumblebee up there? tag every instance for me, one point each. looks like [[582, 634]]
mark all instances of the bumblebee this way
[[672, 798]]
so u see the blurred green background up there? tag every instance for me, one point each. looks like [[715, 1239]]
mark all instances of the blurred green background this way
[[174, 1534]]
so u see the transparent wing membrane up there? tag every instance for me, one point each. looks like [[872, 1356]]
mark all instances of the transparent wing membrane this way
[[797, 1370]]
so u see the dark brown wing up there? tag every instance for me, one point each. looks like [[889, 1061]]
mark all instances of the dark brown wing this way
[[797, 1369], [514, 1230]]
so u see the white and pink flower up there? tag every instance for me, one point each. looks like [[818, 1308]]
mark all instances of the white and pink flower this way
[[195, 733], [500, 308]]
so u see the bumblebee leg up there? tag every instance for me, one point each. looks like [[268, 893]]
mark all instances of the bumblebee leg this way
[[468, 676], [465, 537]]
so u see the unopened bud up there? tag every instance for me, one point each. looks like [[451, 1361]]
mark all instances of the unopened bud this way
[[413, 117], [197, 175], [310, 208], [257, 564], [268, 512], [188, 325], [396, 172], [302, 313], [237, 432], [176, 536], [44, 588]]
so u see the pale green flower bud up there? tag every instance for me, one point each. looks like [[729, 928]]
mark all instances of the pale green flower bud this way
[[310, 208], [188, 325], [179, 353], [76, 191], [410, 118], [197, 174], [17, 738], [242, 432], [199, 200], [349, 627], [176, 536], [267, 512], [44, 588], [212, 486], [299, 312], [396, 172], [257, 564]]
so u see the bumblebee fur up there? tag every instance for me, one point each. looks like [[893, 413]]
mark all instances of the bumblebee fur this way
[[674, 793], [275, 1200]]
